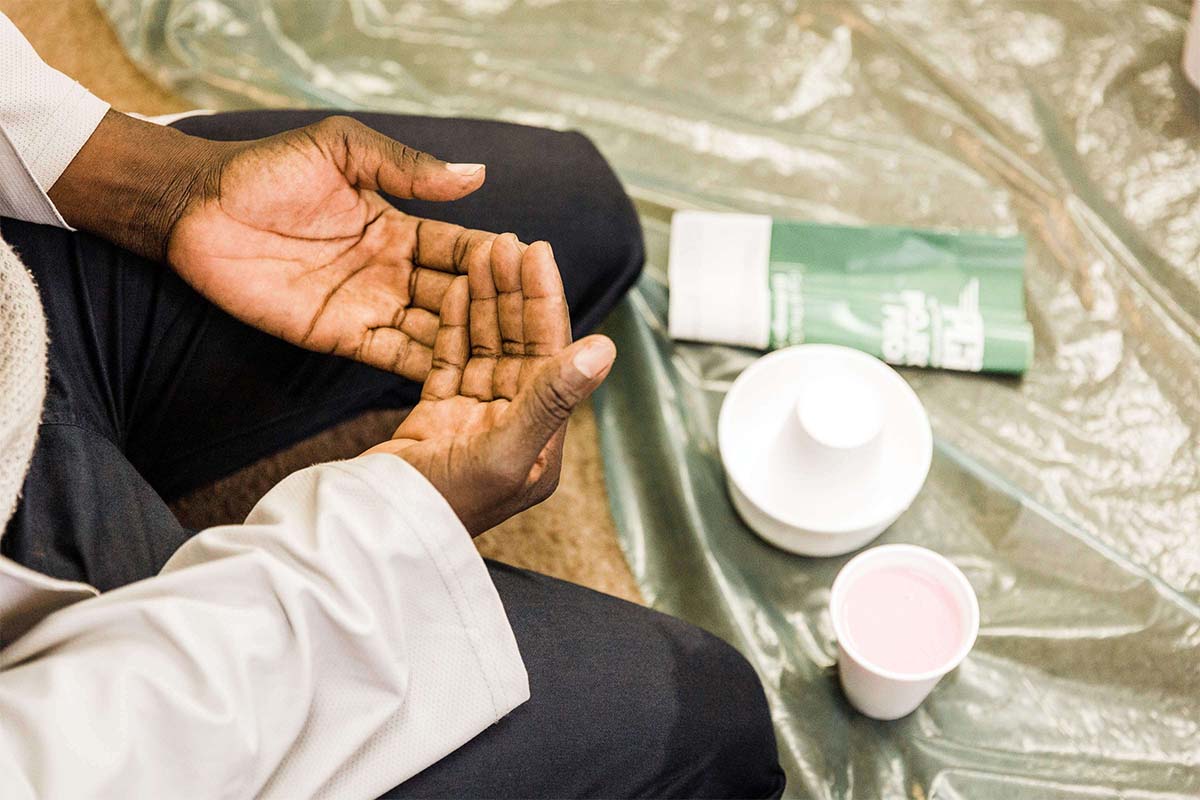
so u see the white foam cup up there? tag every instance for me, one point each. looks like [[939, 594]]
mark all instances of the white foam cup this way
[[889, 580]]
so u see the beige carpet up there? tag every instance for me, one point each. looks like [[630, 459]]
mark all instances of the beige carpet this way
[[570, 536]]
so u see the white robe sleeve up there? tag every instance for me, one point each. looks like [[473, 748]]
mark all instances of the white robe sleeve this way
[[45, 119], [341, 640]]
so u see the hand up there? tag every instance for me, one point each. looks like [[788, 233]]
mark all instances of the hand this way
[[289, 233], [489, 429]]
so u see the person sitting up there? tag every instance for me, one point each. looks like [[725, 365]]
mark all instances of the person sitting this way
[[215, 291]]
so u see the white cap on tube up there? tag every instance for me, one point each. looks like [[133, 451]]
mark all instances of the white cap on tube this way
[[718, 275]]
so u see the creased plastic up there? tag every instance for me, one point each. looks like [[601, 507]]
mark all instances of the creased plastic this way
[[1071, 498]]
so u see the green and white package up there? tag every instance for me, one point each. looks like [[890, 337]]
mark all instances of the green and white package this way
[[911, 297]]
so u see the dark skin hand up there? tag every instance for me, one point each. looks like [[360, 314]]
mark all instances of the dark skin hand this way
[[290, 234], [489, 429]]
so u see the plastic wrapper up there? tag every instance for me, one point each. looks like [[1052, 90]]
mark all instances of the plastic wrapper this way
[[1070, 498]]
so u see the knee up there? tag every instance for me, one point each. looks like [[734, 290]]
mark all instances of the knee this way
[[636, 703], [610, 216], [602, 249], [724, 726]]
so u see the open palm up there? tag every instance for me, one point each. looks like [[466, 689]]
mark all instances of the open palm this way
[[291, 235], [489, 429]]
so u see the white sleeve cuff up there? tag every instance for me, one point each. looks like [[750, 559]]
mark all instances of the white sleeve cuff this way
[[73, 123], [45, 119]]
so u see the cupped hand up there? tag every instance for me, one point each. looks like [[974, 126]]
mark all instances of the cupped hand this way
[[291, 235], [489, 428]]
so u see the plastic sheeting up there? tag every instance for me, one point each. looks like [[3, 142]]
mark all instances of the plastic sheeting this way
[[1070, 498]]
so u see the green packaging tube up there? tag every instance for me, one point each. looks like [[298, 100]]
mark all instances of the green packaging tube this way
[[911, 297]]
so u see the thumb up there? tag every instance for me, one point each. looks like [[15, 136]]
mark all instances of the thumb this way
[[371, 160], [544, 404]]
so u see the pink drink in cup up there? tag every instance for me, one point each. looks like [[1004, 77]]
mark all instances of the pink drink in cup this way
[[903, 620], [904, 616]]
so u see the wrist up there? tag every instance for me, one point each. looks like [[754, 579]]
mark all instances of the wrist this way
[[133, 180]]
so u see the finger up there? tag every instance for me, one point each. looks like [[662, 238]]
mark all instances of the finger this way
[[506, 274], [509, 344], [485, 319], [371, 160], [451, 348], [506, 376], [420, 325], [413, 361], [390, 349], [546, 323], [545, 403], [478, 377], [427, 288], [445, 246]]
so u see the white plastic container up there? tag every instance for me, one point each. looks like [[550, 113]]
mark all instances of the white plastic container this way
[[873, 689], [823, 446]]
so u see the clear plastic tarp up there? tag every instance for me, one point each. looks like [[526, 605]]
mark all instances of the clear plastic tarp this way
[[1071, 497]]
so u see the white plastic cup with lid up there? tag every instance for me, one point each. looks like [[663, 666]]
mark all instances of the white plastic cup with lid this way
[[823, 446], [904, 616]]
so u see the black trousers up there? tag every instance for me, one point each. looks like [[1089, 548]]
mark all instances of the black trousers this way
[[154, 391]]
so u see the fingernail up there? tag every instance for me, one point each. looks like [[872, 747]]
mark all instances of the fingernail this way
[[464, 169], [507, 241], [592, 360]]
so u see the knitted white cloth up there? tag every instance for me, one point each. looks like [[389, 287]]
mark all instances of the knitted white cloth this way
[[22, 376]]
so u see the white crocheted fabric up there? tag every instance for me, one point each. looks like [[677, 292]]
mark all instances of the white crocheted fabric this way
[[22, 376]]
